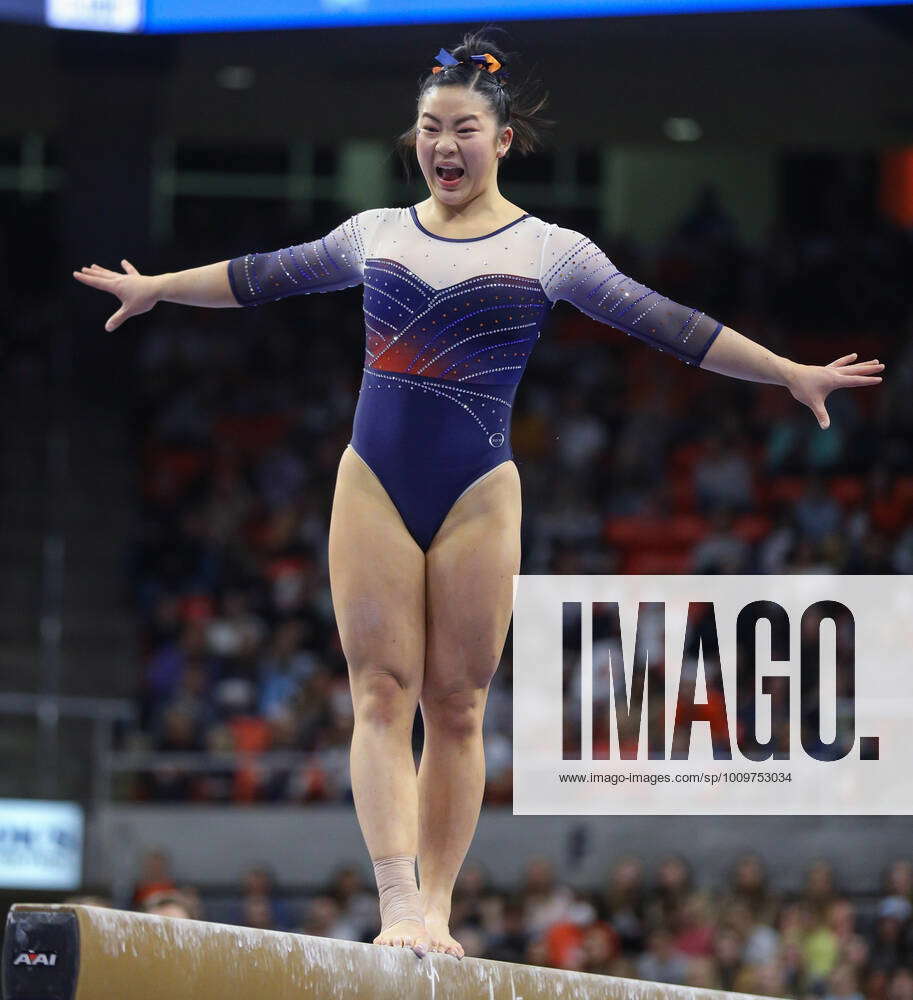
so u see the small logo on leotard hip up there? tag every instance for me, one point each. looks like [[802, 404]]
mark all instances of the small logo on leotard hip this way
[[496, 440]]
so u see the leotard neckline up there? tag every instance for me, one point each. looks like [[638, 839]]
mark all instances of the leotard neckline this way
[[462, 239]]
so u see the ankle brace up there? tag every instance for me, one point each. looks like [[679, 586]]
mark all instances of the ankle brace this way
[[398, 890]]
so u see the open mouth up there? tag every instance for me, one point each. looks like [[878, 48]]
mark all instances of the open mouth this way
[[449, 175]]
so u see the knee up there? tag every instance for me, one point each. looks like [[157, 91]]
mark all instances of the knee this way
[[456, 714], [382, 696]]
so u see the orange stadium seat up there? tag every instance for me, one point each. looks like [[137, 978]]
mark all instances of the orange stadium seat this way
[[656, 562], [780, 489], [252, 434], [847, 490]]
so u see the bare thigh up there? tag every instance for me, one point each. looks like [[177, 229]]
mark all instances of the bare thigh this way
[[469, 590], [377, 579]]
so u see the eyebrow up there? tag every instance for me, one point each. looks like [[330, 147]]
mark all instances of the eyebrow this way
[[457, 122]]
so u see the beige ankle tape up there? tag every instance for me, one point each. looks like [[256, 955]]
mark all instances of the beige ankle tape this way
[[398, 889]]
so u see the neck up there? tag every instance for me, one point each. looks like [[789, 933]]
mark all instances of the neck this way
[[489, 203]]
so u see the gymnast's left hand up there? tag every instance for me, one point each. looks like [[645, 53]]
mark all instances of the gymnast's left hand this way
[[812, 384]]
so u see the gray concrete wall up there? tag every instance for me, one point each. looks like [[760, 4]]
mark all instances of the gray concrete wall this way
[[212, 846]]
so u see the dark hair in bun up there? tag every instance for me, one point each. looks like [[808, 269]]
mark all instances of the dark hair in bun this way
[[512, 103]]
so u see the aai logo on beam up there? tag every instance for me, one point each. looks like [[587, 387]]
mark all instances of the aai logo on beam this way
[[33, 958]]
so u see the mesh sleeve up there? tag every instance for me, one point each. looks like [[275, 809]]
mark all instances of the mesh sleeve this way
[[325, 265], [576, 270]]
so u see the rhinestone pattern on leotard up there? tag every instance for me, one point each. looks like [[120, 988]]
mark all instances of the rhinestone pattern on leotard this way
[[458, 318], [576, 270]]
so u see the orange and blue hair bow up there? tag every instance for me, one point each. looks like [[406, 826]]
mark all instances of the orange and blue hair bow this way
[[484, 62]]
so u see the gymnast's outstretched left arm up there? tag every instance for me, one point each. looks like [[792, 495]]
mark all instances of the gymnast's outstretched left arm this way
[[735, 355], [573, 268]]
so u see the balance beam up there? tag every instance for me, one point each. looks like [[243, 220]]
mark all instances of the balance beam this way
[[91, 953]]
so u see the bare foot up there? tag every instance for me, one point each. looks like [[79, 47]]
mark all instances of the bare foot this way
[[438, 924], [406, 934]]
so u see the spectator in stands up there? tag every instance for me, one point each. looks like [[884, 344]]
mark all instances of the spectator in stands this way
[[692, 926], [776, 548], [511, 942], [842, 985], [759, 942], [260, 904], [154, 877], [722, 476], [581, 434], [357, 905], [544, 900], [625, 901], [721, 550], [170, 903], [817, 513], [580, 937], [901, 986], [193, 901], [324, 919], [888, 946], [728, 947], [749, 885], [898, 879], [661, 963], [285, 666], [820, 949], [768, 980], [819, 890], [674, 883], [180, 733], [703, 973]]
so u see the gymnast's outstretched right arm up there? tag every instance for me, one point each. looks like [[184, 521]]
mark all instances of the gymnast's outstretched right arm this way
[[323, 265]]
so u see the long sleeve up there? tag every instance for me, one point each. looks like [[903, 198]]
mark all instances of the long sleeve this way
[[574, 269], [324, 265]]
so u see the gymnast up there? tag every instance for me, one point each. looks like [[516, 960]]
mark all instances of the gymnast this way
[[425, 527]]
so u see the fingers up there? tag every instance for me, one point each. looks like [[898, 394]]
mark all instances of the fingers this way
[[824, 421], [96, 276], [103, 272], [846, 380], [845, 363], [115, 321], [860, 374]]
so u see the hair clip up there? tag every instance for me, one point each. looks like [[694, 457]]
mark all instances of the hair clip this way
[[446, 59], [484, 62], [488, 61]]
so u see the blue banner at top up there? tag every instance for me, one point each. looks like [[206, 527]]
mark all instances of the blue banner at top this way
[[159, 16]]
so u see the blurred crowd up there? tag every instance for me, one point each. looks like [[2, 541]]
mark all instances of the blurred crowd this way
[[660, 925], [630, 462]]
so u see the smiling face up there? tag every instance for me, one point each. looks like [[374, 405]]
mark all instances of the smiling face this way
[[456, 125]]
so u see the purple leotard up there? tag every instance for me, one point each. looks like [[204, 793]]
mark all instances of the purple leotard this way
[[449, 327]]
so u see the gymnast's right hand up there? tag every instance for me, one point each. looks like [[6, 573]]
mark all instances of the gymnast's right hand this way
[[138, 293]]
